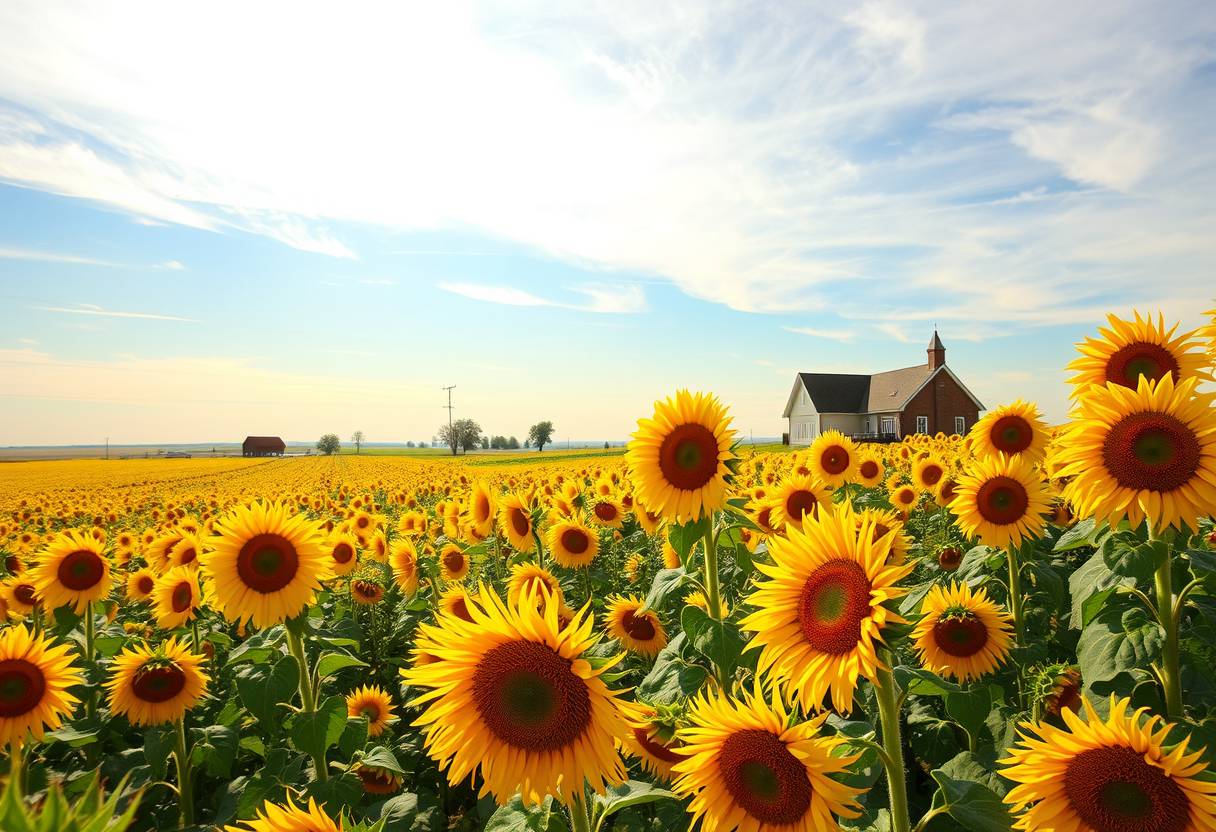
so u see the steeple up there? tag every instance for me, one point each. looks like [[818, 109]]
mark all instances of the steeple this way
[[937, 352]]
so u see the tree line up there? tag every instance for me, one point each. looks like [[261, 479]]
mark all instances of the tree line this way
[[462, 435]]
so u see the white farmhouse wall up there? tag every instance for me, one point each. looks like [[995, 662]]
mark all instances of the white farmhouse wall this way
[[804, 419]]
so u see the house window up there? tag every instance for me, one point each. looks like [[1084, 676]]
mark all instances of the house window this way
[[888, 425], [960, 425], [804, 395], [922, 424]]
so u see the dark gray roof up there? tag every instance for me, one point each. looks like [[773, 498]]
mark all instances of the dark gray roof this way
[[837, 392]]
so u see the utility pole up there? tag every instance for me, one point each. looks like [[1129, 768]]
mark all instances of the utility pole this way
[[107, 447], [450, 389]]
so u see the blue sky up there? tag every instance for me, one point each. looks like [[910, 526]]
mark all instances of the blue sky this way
[[569, 212]]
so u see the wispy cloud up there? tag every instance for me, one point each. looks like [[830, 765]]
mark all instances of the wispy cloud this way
[[829, 334], [602, 299], [377, 281], [92, 309], [36, 255]]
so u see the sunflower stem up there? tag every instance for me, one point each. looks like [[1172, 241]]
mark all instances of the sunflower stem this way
[[1014, 560], [91, 699], [185, 789], [579, 821], [888, 715], [1171, 682], [713, 591], [198, 643], [308, 697], [16, 751]]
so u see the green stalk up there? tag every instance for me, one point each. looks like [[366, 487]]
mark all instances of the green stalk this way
[[579, 822], [91, 699], [308, 697], [16, 751], [1015, 595], [713, 592], [1171, 681], [889, 719], [185, 789]]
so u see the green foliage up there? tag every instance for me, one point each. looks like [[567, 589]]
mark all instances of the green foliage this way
[[89, 811]]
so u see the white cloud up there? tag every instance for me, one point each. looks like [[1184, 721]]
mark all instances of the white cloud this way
[[173, 265], [50, 257], [603, 299], [93, 309], [829, 334]]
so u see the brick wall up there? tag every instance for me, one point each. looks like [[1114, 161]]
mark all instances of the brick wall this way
[[940, 400]]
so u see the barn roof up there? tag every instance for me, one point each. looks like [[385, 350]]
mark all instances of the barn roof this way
[[264, 441], [878, 393]]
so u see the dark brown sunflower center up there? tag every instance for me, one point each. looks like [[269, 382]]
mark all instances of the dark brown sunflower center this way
[[1002, 500], [881, 530], [764, 778], [800, 503], [520, 522], [834, 459], [26, 594], [461, 610], [931, 474], [182, 597], [605, 511], [869, 469], [158, 684], [21, 687], [688, 457], [947, 490], [482, 512], [950, 558], [529, 698], [1113, 789], [186, 556], [81, 570], [1011, 434], [1152, 361], [835, 600], [1151, 451], [12, 564], [267, 563], [343, 553], [575, 541], [656, 748], [639, 627], [371, 711], [960, 635], [453, 560]]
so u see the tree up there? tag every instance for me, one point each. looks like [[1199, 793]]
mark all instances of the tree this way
[[329, 443], [540, 434], [512, 443], [357, 437], [463, 434], [409, 444], [485, 443]]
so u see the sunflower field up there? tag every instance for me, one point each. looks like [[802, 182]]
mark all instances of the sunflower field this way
[[1012, 629]]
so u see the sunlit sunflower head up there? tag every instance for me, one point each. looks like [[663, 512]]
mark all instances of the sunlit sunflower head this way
[[638, 630], [946, 491], [1131, 350], [1113, 774], [748, 767], [154, 685], [651, 739], [453, 563], [513, 697], [819, 616], [671, 558], [481, 508], [885, 522], [904, 498], [928, 472], [366, 592], [403, 560], [343, 550], [377, 780], [572, 544], [531, 580], [1143, 453], [35, 675], [515, 520], [20, 595], [679, 457], [962, 634], [374, 703], [697, 599], [266, 565], [456, 601], [1013, 429], [833, 458], [797, 497], [650, 521], [72, 571], [186, 551], [1001, 501], [869, 469], [288, 818], [761, 513], [606, 511], [176, 597]]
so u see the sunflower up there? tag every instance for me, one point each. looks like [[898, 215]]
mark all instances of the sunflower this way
[[671, 558], [374, 703], [404, 561], [833, 458], [481, 508], [151, 686], [140, 584], [634, 566], [946, 491], [749, 767], [928, 472], [343, 550], [1001, 500], [456, 601], [1012, 429], [73, 571], [176, 597], [186, 551], [513, 697], [697, 599], [904, 498], [961, 634], [799, 497], [377, 780], [650, 521], [607, 512], [366, 592], [1143, 453], [820, 615], [515, 519], [20, 595], [288, 818], [869, 469], [885, 522], [651, 740], [35, 675], [679, 457], [1132, 350], [267, 564], [639, 631], [1111, 774], [572, 544], [453, 563], [529, 578]]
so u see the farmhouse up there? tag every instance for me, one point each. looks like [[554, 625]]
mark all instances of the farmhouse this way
[[927, 398], [263, 446]]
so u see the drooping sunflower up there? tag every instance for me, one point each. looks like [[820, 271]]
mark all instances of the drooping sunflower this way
[[928, 472], [73, 571], [531, 579], [373, 702], [377, 780], [404, 563], [679, 457], [798, 497], [35, 675], [651, 740], [748, 769], [869, 469], [1113, 774], [1001, 501], [515, 520], [176, 597], [1013, 429], [1143, 453], [453, 563], [572, 544], [288, 818], [637, 630], [154, 685], [366, 592], [833, 458], [962, 634], [343, 551], [885, 522], [819, 616], [513, 697], [1131, 350], [481, 508], [266, 565]]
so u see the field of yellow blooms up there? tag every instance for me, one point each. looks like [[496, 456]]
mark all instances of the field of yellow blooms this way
[[1013, 629]]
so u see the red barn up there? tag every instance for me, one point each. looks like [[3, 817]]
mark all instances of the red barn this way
[[927, 398], [263, 446]]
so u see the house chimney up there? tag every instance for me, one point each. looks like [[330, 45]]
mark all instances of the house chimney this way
[[937, 352]]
